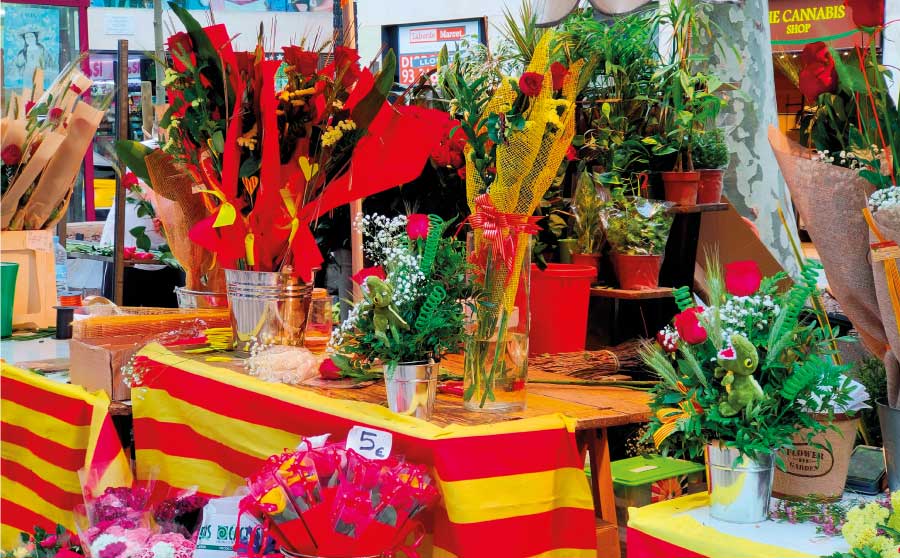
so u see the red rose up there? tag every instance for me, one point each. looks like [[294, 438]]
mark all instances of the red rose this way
[[417, 226], [530, 83], [689, 328], [129, 252], [866, 13], [67, 553], [129, 180], [456, 159], [571, 153], [55, 114], [558, 72], [818, 74], [304, 62], [667, 339], [11, 155], [48, 542], [742, 278], [182, 49], [345, 65], [76, 89], [28, 106], [360, 276], [328, 370]]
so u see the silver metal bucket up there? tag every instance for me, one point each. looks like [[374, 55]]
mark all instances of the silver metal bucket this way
[[411, 388], [267, 306], [890, 439], [739, 491], [200, 299]]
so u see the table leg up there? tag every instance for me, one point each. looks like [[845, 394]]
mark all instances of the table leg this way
[[596, 448]]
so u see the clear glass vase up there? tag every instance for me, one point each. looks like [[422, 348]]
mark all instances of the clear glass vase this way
[[496, 347]]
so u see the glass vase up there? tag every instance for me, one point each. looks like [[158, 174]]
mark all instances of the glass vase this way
[[496, 346]]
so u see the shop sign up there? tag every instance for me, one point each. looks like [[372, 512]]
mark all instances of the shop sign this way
[[418, 45], [102, 68], [796, 23]]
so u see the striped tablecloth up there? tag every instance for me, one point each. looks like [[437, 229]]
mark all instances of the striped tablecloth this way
[[49, 432], [510, 489]]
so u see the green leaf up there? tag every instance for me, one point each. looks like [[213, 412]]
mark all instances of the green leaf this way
[[368, 107], [132, 154], [849, 76], [218, 141]]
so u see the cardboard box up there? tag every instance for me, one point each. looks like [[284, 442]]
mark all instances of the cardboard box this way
[[97, 363], [36, 279]]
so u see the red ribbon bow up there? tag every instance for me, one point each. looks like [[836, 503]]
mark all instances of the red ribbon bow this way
[[500, 229]]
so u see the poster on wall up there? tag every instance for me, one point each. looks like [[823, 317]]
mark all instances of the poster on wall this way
[[30, 41], [418, 45]]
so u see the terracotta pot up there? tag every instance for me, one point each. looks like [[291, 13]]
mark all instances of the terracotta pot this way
[[591, 260], [710, 189], [637, 273], [681, 187]]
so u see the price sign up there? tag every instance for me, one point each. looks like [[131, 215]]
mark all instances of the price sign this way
[[369, 442]]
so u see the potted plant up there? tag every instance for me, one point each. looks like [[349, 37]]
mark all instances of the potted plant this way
[[410, 314], [739, 378], [637, 230], [710, 154], [586, 205]]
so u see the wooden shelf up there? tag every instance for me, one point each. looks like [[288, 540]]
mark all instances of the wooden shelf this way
[[624, 294], [109, 259], [699, 208]]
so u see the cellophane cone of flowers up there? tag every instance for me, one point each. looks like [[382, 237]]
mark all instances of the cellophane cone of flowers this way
[[830, 200], [503, 190], [44, 142], [887, 219]]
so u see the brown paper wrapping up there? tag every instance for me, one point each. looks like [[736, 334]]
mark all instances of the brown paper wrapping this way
[[10, 200], [13, 132], [62, 169]]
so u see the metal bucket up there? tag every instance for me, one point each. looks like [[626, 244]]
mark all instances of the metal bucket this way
[[270, 307], [890, 439], [200, 299], [739, 490], [411, 388]]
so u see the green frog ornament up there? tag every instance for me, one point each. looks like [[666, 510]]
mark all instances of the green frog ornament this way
[[380, 298], [737, 363]]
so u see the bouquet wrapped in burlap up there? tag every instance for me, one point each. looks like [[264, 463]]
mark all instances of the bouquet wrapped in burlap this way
[[885, 228], [831, 201]]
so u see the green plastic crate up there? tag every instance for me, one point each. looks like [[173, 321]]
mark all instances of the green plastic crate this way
[[639, 481]]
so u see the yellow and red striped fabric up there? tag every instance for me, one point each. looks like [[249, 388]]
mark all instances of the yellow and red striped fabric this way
[[510, 489], [49, 432]]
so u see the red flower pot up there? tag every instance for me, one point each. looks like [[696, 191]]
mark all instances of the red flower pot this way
[[590, 260], [637, 273], [681, 187], [710, 189]]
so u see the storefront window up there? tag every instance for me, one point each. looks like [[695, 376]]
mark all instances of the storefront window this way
[[36, 36]]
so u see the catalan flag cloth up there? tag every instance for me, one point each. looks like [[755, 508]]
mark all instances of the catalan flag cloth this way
[[510, 489], [49, 432]]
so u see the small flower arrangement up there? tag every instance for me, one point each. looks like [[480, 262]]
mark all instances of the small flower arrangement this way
[[873, 530], [746, 370], [411, 308], [58, 543]]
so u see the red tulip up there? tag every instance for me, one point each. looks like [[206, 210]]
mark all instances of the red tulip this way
[[360, 276], [558, 72], [742, 278], [328, 370], [866, 13], [530, 83], [417, 226], [689, 328]]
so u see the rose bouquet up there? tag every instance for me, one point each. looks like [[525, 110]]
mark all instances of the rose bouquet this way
[[331, 501], [266, 163], [746, 370], [517, 138], [45, 135], [411, 308]]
